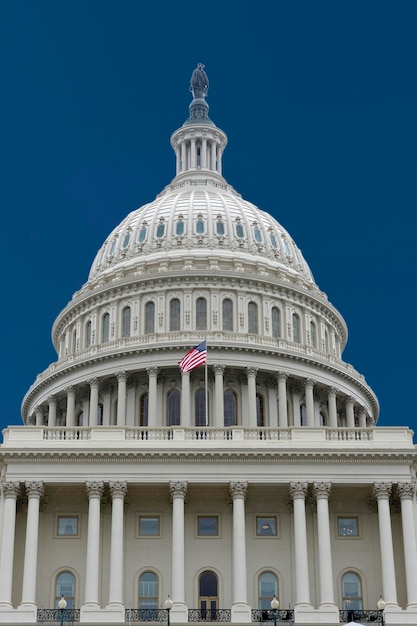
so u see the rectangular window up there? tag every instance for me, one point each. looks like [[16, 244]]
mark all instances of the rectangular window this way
[[347, 527], [207, 526], [67, 526], [149, 526], [266, 526]]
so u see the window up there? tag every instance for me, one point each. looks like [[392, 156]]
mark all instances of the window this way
[[174, 314], [227, 314], [260, 416], [257, 235], [100, 410], [105, 328], [142, 234], [149, 318], [148, 591], [201, 314], [199, 227], [240, 233], [160, 231], [65, 586], [149, 526], [80, 418], [200, 407], [252, 318], [208, 597], [275, 322], [173, 408], [207, 526], [126, 240], [296, 335], [273, 239], [88, 334], [230, 408], [351, 592], [179, 228], [313, 334], [143, 409], [267, 589], [113, 247], [266, 526], [126, 321], [303, 415], [67, 526], [220, 228], [347, 527], [286, 247]]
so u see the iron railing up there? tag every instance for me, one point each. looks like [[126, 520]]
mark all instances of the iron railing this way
[[209, 615], [361, 617], [280, 615], [146, 615], [66, 616]]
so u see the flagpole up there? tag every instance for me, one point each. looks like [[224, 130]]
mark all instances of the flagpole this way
[[206, 385]]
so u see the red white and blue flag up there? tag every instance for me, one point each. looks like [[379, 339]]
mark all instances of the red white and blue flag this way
[[194, 357]]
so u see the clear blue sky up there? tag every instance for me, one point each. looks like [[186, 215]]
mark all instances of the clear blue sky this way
[[319, 102]]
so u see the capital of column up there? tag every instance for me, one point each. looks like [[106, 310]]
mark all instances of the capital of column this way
[[219, 369], [406, 491], [121, 376], [251, 371], [298, 490], [322, 490], [238, 489], [118, 489], [70, 391], [152, 371], [282, 377], [309, 383], [382, 491], [11, 489], [95, 489], [349, 400], [93, 382], [332, 392], [34, 489], [52, 400], [178, 489]]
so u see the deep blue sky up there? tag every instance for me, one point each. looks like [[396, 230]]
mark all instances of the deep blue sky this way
[[319, 102]]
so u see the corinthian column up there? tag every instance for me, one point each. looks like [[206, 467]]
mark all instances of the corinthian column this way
[[10, 493], [407, 494], [94, 492], [34, 492], [282, 399], [218, 396], [322, 493], [298, 492], [152, 384], [178, 491], [382, 492], [118, 492], [121, 398], [252, 417], [240, 607]]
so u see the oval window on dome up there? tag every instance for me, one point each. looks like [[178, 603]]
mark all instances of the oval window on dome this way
[[286, 247], [220, 228], [199, 227], [179, 229], [239, 231], [274, 242], [160, 230], [257, 235], [142, 234], [126, 240], [113, 247]]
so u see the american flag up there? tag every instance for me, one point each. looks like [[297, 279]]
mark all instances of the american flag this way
[[194, 357]]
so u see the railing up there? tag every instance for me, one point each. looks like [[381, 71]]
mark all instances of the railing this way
[[361, 617], [63, 616], [280, 615], [209, 615], [146, 615]]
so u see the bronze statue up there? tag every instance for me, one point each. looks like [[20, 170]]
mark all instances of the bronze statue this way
[[199, 83]]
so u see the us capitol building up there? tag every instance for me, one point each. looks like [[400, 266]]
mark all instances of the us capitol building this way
[[138, 492]]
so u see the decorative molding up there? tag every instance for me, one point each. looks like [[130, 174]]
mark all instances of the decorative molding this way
[[238, 489], [178, 489], [94, 489], [298, 490]]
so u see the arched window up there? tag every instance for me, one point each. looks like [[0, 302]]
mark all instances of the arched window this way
[[74, 341], [200, 407], [143, 409], [80, 418], [313, 334], [296, 334], [100, 414], [230, 408], [252, 318], [276, 322], [148, 591], [105, 328], [267, 589], [227, 314], [174, 314], [88, 334], [208, 595], [351, 591], [260, 415], [65, 586], [323, 419], [173, 407], [126, 314], [149, 318], [201, 314], [303, 415]]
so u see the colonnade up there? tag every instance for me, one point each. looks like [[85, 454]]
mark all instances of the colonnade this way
[[238, 490]]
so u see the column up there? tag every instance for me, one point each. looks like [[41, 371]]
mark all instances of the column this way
[[296, 392], [178, 491], [204, 153], [213, 156], [322, 493], [282, 400], [362, 418], [94, 493], [251, 374], [152, 374], [240, 608], [298, 492], [350, 416], [218, 396], [121, 398], [52, 411], [382, 492], [272, 402], [39, 416], [94, 384], [185, 400], [118, 493], [309, 386], [10, 493], [193, 154], [407, 492], [70, 407], [183, 157], [34, 492], [331, 395]]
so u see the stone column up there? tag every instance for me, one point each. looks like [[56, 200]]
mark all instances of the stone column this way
[[153, 378], [185, 418], [282, 400], [362, 418], [332, 407], [70, 407], [240, 607], [51, 411], [322, 493], [382, 492], [298, 492], [350, 416], [10, 493], [121, 398], [34, 492], [272, 402], [296, 392], [251, 374], [407, 494], [218, 396], [118, 492], [39, 416], [94, 492], [94, 385], [309, 386], [178, 491]]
